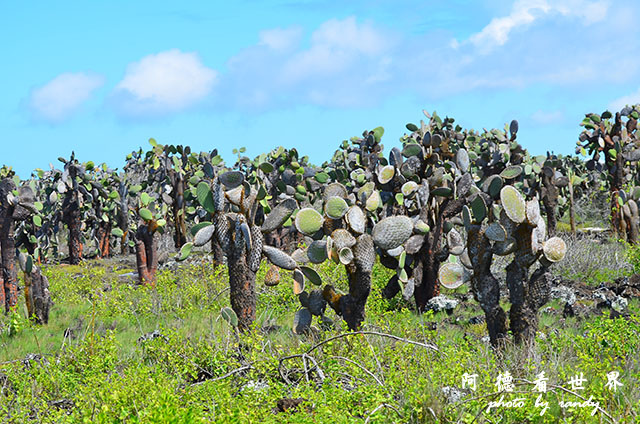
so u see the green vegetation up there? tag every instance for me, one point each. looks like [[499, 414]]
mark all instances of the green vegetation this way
[[344, 319], [92, 363]]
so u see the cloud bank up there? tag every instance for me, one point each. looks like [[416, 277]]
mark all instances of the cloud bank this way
[[61, 97], [162, 83]]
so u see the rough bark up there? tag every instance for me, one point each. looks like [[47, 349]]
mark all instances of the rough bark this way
[[71, 217], [550, 202], [8, 250], [37, 296], [359, 272], [485, 287], [103, 235], [432, 254], [146, 255], [616, 176], [180, 235], [242, 286], [572, 212], [7, 247], [632, 229], [521, 316], [216, 250]]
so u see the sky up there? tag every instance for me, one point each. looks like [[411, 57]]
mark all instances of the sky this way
[[101, 78]]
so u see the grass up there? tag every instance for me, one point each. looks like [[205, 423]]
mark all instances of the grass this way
[[95, 369]]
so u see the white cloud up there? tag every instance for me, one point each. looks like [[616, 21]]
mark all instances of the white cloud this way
[[545, 117], [58, 99], [335, 46], [342, 63], [525, 12], [630, 99], [168, 81], [280, 39]]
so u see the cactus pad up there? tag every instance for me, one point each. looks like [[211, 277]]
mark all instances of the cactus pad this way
[[513, 204], [255, 253], [279, 258], [311, 275], [309, 221], [496, 232], [392, 232], [451, 275], [409, 188], [342, 238], [279, 215], [302, 321], [203, 235], [272, 277], [335, 189], [317, 251], [462, 160], [511, 172], [533, 212], [364, 252], [356, 219], [345, 255], [335, 207], [554, 249], [455, 242], [316, 303], [478, 209], [232, 179], [386, 174], [421, 227], [374, 201], [298, 282]]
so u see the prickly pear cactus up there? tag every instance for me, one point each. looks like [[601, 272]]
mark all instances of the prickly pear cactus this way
[[501, 226]]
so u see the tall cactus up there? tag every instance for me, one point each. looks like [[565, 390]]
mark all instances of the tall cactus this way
[[616, 140], [501, 225], [15, 205], [236, 226], [71, 206]]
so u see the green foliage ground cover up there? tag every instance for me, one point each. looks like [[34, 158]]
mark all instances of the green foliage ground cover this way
[[92, 367]]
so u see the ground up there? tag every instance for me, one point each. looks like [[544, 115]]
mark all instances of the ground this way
[[117, 352]]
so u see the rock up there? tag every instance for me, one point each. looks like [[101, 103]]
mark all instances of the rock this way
[[630, 293], [619, 304], [442, 303], [476, 320], [255, 385], [150, 336], [288, 404], [563, 293], [568, 310], [453, 394], [32, 358]]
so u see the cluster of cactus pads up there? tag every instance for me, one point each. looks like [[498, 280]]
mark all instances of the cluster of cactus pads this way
[[503, 223], [436, 211], [18, 205]]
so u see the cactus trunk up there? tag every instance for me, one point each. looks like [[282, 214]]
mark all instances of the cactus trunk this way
[[353, 305], [617, 179], [37, 296], [146, 255], [180, 236], [8, 251], [216, 250], [485, 287], [242, 283], [431, 255], [104, 236], [572, 212], [7, 247], [550, 202]]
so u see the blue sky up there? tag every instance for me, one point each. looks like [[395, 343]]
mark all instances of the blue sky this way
[[101, 78]]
